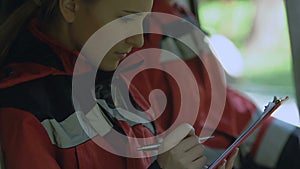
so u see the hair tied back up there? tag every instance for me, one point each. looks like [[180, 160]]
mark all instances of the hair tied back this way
[[10, 28]]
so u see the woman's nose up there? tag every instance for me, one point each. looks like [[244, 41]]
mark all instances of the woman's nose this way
[[136, 41]]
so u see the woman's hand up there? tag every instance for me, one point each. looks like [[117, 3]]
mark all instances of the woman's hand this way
[[229, 164], [184, 151]]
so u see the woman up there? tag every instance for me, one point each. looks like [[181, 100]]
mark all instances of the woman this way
[[40, 43]]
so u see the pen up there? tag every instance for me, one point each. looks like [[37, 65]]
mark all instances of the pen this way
[[151, 147]]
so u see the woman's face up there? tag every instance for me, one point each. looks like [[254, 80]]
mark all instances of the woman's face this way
[[91, 16]]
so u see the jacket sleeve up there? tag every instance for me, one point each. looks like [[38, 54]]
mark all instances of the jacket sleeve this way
[[273, 145], [24, 141]]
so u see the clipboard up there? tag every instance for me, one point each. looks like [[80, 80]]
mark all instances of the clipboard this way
[[269, 109]]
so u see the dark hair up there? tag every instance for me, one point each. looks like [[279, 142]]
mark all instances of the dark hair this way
[[15, 14]]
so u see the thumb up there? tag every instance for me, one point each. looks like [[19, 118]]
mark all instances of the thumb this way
[[176, 136]]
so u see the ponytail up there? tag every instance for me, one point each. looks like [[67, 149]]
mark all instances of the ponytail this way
[[11, 26]]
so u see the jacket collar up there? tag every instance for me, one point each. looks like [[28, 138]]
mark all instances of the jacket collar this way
[[67, 57]]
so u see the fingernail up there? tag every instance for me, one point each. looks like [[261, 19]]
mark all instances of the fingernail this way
[[236, 151], [224, 163]]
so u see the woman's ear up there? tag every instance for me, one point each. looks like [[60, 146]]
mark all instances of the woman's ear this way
[[68, 9]]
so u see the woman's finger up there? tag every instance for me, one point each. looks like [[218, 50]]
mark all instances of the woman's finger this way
[[176, 136], [186, 144], [193, 154], [199, 162], [230, 163], [223, 165]]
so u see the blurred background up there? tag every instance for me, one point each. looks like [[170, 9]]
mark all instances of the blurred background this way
[[258, 61]]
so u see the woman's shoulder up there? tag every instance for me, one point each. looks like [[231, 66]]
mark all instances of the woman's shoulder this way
[[30, 58], [29, 47], [41, 96]]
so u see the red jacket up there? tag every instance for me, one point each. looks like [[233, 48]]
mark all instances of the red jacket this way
[[35, 90]]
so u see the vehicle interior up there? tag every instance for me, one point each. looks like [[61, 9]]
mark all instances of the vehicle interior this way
[[262, 54], [263, 38]]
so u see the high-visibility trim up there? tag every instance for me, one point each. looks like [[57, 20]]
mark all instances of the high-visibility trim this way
[[130, 118], [273, 142], [98, 121], [65, 134], [180, 49], [77, 128]]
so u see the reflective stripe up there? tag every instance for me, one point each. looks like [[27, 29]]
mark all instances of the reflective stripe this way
[[181, 50], [130, 118], [67, 133], [177, 49], [99, 122], [77, 128], [273, 143]]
